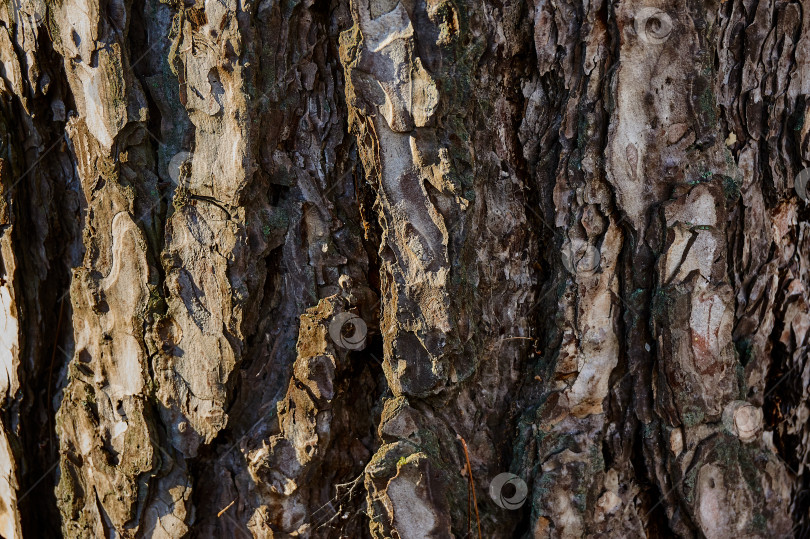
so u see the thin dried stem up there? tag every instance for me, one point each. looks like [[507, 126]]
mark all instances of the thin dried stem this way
[[472, 482]]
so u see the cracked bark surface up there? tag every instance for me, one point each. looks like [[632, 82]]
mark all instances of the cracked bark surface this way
[[279, 268]]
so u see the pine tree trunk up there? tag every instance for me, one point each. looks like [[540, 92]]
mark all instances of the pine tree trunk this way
[[404, 268]]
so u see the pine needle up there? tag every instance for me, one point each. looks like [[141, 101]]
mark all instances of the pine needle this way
[[474, 500], [223, 511]]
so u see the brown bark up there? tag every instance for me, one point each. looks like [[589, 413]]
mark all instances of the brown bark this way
[[332, 268]]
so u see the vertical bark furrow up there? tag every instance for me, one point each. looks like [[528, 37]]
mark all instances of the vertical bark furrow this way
[[304, 403], [565, 422], [765, 110], [40, 243], [430, 88], [108, 441]]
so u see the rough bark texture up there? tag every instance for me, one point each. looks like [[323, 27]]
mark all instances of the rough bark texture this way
[[299, 268]]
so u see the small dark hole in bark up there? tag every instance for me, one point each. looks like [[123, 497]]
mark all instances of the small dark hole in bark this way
[[84, 369]]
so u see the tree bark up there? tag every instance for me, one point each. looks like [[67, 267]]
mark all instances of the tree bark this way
[[404, 268]]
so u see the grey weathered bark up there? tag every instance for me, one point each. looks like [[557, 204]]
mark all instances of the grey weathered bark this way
[[279, 268]]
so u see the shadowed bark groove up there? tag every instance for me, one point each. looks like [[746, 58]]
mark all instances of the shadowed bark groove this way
[[269, 266]]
